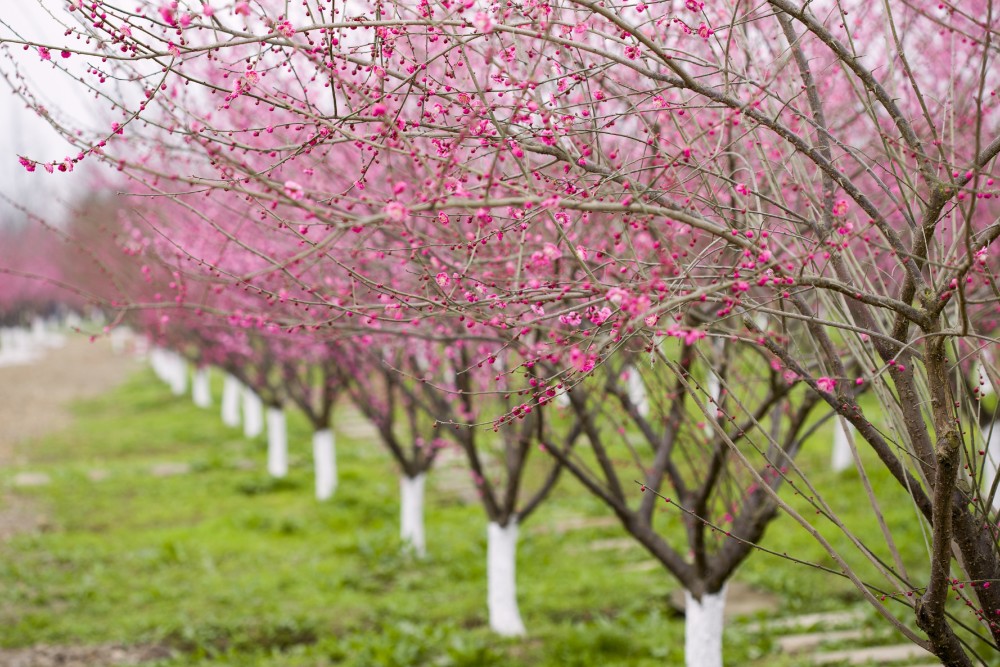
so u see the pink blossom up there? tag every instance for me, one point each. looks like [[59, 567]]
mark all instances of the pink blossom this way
[[826, 384], [167, 14], [582, 361], [294, 191], [442, 279], [242, 8], [29, 165], [599, 316], [285, 28], [483, 23], [44, 53], [571, 318], [379, 109], [396, 212]]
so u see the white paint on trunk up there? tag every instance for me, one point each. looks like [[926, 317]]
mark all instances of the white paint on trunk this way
[[177, 373], [120, 339], [714, 388], [703, 623], [231, 401], [325, 462], [991, 462], [253, 413], [411, 498], [201, 390], [980, 377], [277, 442], [17, 348], [637, 393], [841, 458], [501, 568]]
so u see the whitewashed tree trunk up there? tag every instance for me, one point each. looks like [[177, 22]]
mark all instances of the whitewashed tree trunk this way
[[501, 569], [157, 364], [991, 462], [841, 459], [120, 337], [411, 497], [325, 462], [637, 393], [982, 380], [141, 347], [231, 401], [714, 388], [277, 442], [253, 413], [177, 374], [703, 624], [201, 390]]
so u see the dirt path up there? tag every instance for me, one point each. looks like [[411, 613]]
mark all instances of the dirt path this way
[[35, 397], [34, 401]]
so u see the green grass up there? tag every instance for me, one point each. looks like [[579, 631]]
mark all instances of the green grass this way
[[231, 568]]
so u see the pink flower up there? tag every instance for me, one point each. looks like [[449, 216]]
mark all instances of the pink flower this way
[[483, 23], [442, 279], [242, 8], [167, 14], [44, 53], [207, 10], [396, 212], [29, 165], [582, 361], [294, 191], [571, 318], [826, 384], [285, 28], [599, 316], [379, 109]]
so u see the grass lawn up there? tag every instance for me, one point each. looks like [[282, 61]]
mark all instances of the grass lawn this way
[[228, 567]]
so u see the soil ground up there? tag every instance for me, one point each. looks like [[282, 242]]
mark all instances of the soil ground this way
[[35, 400]]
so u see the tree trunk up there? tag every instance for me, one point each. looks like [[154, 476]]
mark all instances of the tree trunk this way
[[325, 462], [703, 623], [501, 562], [177, 374], [841, 458], [253, 413], [637, 393], [201, 390], [991, 461], [411, 495], [277, 442], [231, 402]]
